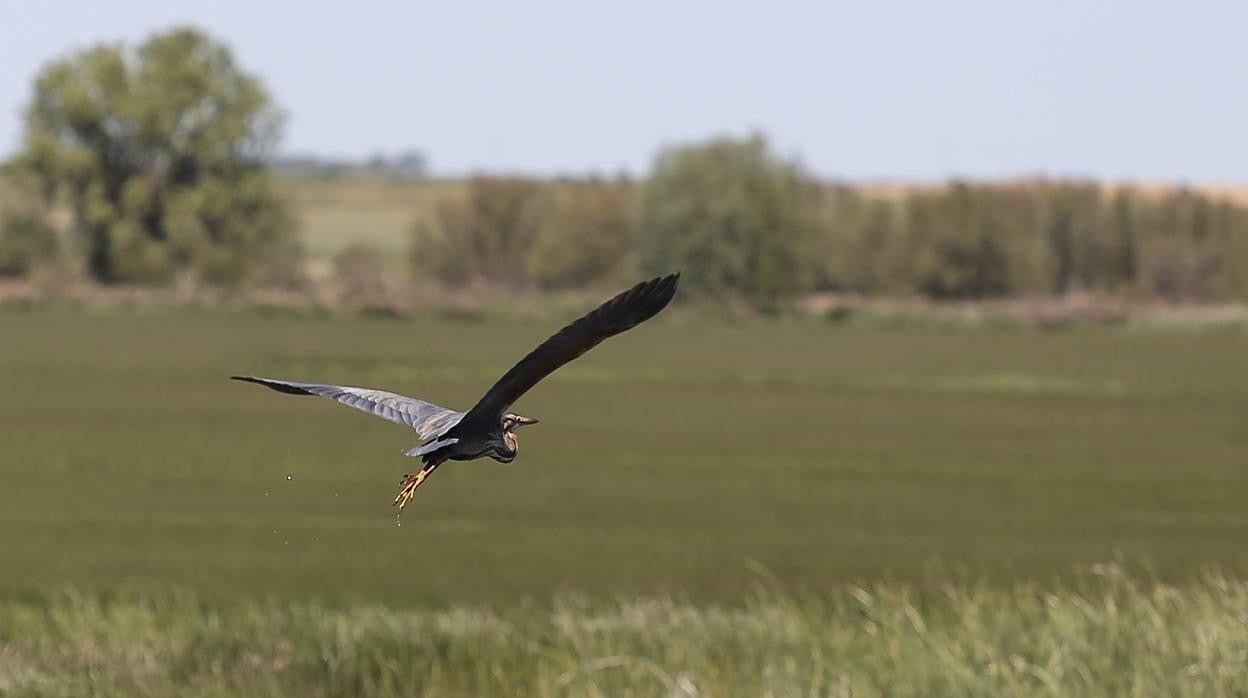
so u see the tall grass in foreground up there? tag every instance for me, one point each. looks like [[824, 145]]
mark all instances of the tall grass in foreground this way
[[1107, 634]]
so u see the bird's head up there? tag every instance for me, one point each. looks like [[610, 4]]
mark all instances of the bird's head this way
[[512, 422]]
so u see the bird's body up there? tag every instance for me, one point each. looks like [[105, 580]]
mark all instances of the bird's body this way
[[488, 429]]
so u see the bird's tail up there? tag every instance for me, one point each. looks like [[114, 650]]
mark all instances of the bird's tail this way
[[429, 447]]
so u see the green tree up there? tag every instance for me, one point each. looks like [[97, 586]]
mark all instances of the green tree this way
[[735, 218], [161, 152]]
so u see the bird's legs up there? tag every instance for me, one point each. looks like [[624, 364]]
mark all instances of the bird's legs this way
[[410, 483]]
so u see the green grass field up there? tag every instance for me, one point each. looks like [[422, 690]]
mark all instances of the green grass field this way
[[667, 460], [674, 462]]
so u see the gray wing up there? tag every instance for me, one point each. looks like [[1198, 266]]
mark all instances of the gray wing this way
[[429, 420]]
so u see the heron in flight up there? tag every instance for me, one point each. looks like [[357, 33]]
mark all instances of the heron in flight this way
[[489, 428]]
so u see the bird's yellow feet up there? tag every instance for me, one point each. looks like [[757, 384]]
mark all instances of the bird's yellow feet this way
[[410, 483]]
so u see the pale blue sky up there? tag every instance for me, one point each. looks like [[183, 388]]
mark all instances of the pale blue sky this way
[[862, 90]]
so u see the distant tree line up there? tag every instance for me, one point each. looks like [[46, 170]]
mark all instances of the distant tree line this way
[[408, 164], [521, 232], [746, 225], [161, 156], [1037, 238]]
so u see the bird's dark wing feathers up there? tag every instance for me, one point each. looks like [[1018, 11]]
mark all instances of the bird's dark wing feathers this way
[[626, 310], [429, 420]]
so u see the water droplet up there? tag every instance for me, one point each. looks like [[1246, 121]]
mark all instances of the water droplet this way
[[290, 477]]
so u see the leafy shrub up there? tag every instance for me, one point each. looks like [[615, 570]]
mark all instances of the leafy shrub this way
[[27, 237], [484, 234], [586, 236], [26, 241], [735, 218]]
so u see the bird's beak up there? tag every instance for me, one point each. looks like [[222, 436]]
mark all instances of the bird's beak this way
[[527, 420]]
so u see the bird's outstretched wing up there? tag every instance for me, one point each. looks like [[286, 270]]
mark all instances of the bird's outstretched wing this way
[[621, 313], [429, 420]]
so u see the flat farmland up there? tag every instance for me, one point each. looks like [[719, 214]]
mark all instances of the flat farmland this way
[[679, 459], [377, 213]]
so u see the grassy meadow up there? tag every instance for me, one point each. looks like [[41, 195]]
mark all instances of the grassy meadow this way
[[669, 460], [1108, 635], [772, 507]]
